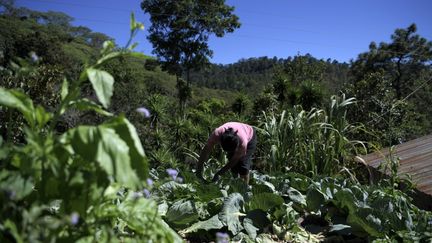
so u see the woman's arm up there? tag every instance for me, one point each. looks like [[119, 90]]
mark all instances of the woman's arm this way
[[233, 161]]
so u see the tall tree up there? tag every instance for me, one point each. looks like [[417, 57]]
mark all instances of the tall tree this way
[[384, 79], [403, 60], [180, 31]]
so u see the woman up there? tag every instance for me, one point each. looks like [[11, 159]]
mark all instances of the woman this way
[[238, 140]]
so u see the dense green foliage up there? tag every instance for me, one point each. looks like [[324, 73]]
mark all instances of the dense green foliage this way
[[253, 74], [93, 146], [393, 82]]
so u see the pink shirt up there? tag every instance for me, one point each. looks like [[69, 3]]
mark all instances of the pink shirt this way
[[244, 132]]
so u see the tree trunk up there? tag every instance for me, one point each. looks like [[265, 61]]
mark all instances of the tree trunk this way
[[397, 83]]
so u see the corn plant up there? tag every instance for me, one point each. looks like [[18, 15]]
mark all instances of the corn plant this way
[[313, 142]]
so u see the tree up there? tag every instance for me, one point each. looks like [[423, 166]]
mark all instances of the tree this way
[[403, 60], [181, 28], [7, 6], [241, 104], [384, 80], [303, 68]]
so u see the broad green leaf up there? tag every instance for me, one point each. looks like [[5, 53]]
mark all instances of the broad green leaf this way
[[364, 218], [172, 188], [42, 117], [295, 196], [299, 181], [261, 184], [107, 57], [207, 192], [138, 55], [104, 146], [315, 199], [209, 224], [102, 83], [86, 104], [251, 230], [264, 187], [17, 100], [163, 209], [128, 133], [141, 216], [182, 212], [346, 198], [14, 185], [265, 201], [231, 211]]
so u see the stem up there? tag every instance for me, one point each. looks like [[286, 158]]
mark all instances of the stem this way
[[68, 98], [132, 35]]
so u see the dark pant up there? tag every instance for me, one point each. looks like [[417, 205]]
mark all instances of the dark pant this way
[[245, 163]]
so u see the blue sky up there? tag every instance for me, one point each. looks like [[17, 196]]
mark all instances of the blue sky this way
[[336, 29]]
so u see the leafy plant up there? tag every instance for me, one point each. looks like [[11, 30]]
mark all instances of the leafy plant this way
[[83, 184]]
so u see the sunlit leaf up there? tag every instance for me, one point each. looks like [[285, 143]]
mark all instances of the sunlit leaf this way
[[182, 213], [42, 117], [231, 211], [86, 104], [14, 186], [104, 146], [129, 134], [314, 199], [20, 101], [209, 224], [250, 228], [102, 83], [265, 201]]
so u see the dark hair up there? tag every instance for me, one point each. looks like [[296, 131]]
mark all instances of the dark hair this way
[[229, 140]]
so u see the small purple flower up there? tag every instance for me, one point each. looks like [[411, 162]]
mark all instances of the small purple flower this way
[[147, 193], [179, 179], [74, 218], [173, 173], [34, 57], [149, 182], [222, 237], [144, 112]]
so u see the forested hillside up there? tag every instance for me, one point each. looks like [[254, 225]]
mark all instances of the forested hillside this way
[[253, 74], [100, 143]]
